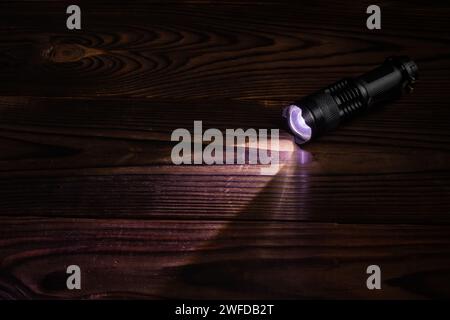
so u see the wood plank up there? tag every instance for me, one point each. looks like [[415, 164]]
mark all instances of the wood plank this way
[[200, 50], [417, 198], [219, 259], [56, 134]]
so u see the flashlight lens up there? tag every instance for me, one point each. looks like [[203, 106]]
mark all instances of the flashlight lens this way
[[297, 124]]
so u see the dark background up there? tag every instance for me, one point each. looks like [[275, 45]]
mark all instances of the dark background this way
[[86, 175]]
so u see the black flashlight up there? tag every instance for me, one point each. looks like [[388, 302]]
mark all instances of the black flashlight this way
[[327, 108]]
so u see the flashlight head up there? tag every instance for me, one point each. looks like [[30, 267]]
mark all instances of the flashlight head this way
[[299, 122], [311, 116]]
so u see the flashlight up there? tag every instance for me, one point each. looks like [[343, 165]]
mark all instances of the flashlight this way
[[327, 108]]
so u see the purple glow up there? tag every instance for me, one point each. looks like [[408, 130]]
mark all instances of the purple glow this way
[[304, 157], [297, 123]]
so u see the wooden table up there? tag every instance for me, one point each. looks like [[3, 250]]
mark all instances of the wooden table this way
[[87, 179]]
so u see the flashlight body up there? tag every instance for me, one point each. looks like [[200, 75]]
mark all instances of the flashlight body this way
[[327, 108]]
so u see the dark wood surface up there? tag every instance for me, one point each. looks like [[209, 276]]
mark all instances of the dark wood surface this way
[[86, 176]]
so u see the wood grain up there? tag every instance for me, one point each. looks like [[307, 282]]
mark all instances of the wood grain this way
[[219, 259], [86, 176], [90, 157], [257, 51]]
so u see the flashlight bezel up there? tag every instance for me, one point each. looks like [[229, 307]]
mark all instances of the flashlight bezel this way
[[297, 123]]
